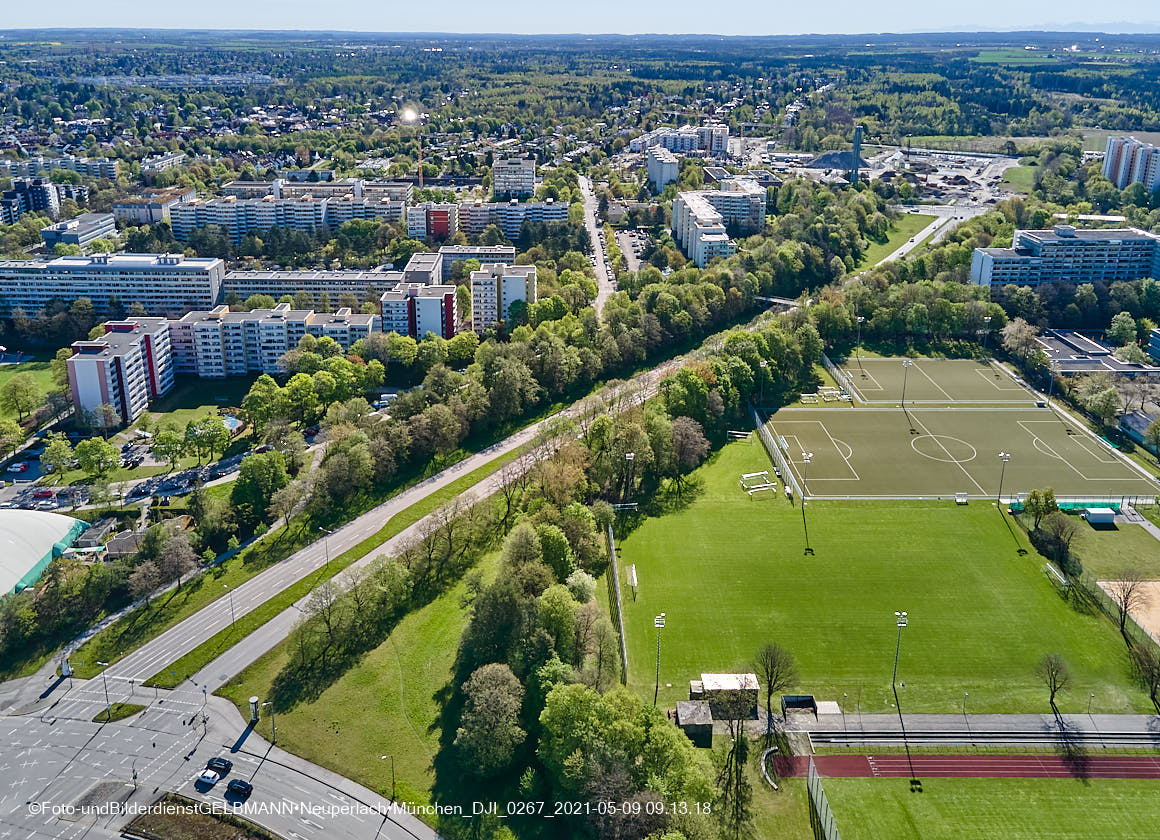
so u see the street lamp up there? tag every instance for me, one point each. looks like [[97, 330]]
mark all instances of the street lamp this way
[[806, 458], [659, 624], [273, 726], [906, 363], [233, 616], [105, 681], [1004, 457], [326, 544]]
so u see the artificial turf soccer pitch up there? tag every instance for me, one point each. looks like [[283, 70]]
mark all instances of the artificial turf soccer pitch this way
[[947, 439], [729, 572], [1012, 809]]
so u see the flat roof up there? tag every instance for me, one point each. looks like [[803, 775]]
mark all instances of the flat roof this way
[[729, 682]]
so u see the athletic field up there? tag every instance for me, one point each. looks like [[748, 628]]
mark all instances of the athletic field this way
[[886, 452], [728, 570], [879, 381]]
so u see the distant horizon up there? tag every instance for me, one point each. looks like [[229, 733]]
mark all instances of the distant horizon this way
[[596, 18]]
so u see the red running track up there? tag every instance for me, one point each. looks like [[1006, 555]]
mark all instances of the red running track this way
[[977, 766]]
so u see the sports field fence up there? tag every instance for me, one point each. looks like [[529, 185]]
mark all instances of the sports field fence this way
[[615, 604], [839, 377], [775, 453], [821, 817]]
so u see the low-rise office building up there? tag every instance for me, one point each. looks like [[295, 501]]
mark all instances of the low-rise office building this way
[[1067, 255], [164, 284], [494, 288], [81, 231], [127, 367]]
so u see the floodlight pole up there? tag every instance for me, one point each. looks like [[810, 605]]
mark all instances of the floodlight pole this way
[[858, 347], [806, 458], [986, 329], [629, 457], [659, 624], [1004, 457], [901, 620], [906, 363], [764, 364]]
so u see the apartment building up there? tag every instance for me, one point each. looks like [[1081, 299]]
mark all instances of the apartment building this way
[[1131, 161], [127, 367], [663, 168], [81, 231], [1154, 344], [220, 343], [513, 178], [509, 216], [151, 207], [30, 195], [239, 216], [160, 163], [429, 220], [396, 191], [424, 267], [494, 288], [165, 284], [365, 285], [713, 139], [699, 228], [93, 167], [1067, 255], [452, 254], [416, 309]]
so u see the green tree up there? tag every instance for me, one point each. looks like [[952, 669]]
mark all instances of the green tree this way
[[11, 434], [97, 457], [261, 401], [260, 476], [21, 395], [168, 447], [1123, 329], [489, 729], [556, 552], [58, 455]]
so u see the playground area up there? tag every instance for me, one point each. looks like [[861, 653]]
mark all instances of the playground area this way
[[891, 453], [880, 381]]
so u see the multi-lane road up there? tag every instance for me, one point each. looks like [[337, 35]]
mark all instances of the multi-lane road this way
[[605, 285]]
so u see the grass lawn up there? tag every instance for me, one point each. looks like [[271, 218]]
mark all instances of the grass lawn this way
[[783, 814], [1013, 809], [192, 399], [118, 711], [1019, 178], [40, 370], [905, 226], [1014, 55], [1106, 553], [384, 705], [730, 573]]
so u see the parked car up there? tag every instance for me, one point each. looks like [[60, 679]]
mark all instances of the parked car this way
[[207, 777], [18, 467], [221, 766], [43, 493]]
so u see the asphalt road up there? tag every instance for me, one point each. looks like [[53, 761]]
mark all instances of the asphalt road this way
[[54, 756], [947, 217], [605, 284], [178, 640]]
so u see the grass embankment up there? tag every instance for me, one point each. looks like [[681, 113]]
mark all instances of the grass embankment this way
[[1014, 809], [386, 705], [178, 818], [41, 374], [118, 711], [1019, 179], [904, 227], [730, 573], [175, 673]]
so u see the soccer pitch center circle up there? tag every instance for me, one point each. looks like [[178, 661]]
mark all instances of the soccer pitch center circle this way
[[944, 448]]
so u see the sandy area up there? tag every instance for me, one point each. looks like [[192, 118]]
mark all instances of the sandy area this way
[[1147, 615]]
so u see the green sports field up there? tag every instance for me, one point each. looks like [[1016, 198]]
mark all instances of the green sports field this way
[[880, 381], [728, 570], [938, 452], [1011, 809]]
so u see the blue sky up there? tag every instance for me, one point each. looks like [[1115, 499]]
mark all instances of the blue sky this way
[[749, 17]]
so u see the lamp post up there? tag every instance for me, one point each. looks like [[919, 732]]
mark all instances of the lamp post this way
[[986, 329], [233, 615], [105, 682], [629, 458], [273, 725], [764, 364], [1004, 457], [806, 458], [392, 758], [326, 545], [906, 363], [858, 347], [659, 624], [1050, 379], [901, 620]]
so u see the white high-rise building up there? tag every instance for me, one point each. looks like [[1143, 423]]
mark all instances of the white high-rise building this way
[[127, 367], [1066, 255], [494, 288], [1130, 161], [663, 168], [513, 177], [416, 309]]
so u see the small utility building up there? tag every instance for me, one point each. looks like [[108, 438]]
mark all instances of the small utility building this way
[[29, 539]]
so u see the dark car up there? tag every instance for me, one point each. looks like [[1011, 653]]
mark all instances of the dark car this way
[[220, 765], [239, 788]]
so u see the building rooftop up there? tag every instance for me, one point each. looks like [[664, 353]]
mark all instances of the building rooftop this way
[[1067, 233], [29, 539], [729, 682], [1072, 353], [119, 337]]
